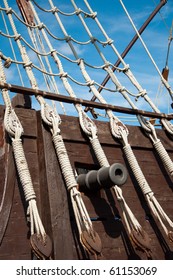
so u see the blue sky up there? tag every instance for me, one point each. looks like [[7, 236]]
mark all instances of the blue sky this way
[[119, 29]]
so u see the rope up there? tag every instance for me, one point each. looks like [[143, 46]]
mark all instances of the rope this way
[[53, 120], [46, 77], [141, 92], [89, 127], [151, 133], [90, 130], [15, 131], [166, 84], [167, 162], [154, 205], [12, 48]]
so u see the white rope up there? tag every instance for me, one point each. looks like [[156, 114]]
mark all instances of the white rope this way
[[154, 205], [87, 124], [141, 92], [166, 84], [12, 48], [15, 130], [160, 149], [46, 77], [90, 129], [53, 120]]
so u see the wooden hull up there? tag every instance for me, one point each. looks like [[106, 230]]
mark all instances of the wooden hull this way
[[53, 200]]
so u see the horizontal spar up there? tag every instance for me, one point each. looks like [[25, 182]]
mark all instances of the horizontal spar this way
[[83, 102]]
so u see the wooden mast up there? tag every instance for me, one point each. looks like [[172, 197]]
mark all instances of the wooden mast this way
[[26, 11]]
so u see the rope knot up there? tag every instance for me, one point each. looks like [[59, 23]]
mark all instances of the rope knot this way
[[9, 11], [90, 83], [52, 52], [80, 61], [120, 88], [63, 74], [93, 39], [55, 10], [106, 65], [109, 41], [27, 64], [17, 37], [41, 26], [126, 68], [68, 38], [7, 62], [143, 92], [78, 11], [94, 15]]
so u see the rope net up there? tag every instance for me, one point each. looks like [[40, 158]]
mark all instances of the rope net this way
[[72, 47]]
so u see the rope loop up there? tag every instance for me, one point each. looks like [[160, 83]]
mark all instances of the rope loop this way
[[117, 127], [12, 124], [80, 61], [52, 52], [50, 117], [106, 65], [126, 68], [87, 125], [143, 92]]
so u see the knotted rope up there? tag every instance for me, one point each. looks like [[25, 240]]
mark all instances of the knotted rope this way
[[15, 131]]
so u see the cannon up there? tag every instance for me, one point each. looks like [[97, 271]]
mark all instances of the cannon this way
[[105, 177]]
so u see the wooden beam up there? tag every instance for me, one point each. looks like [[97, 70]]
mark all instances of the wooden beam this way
[[83, 102]]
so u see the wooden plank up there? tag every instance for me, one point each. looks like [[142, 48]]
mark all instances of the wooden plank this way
[[103, 207], [59, 203], [7, 185], [71, 131], [43, 184]]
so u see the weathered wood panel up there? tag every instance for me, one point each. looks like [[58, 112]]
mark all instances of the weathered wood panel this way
[[103, 207]]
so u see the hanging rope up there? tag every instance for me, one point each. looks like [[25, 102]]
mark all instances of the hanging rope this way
[[15, 131], [137, 234], [155, 207], [88, 237], [85, 123]]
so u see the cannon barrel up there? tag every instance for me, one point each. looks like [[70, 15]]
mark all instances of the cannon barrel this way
[[105, 177]]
